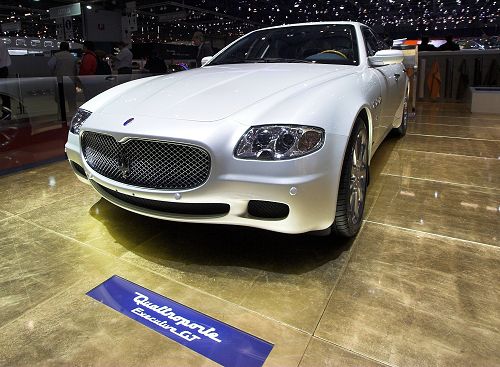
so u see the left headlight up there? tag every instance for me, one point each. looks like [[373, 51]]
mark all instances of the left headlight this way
[[278, 142], [77, 121]]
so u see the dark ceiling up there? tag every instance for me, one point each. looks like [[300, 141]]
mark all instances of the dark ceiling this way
[[229, 18]]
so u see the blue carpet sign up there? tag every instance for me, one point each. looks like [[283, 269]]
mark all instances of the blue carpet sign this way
[[214, 339]]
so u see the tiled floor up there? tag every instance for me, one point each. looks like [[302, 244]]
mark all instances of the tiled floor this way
[[419, 286]]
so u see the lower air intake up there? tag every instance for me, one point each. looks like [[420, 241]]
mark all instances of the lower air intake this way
[[194, 209], [268, 209]]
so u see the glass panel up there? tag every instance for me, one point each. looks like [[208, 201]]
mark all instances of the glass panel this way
[[30, 129], [89, 86], [35, 115]]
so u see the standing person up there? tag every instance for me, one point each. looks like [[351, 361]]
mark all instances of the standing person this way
[[5, 62], [63, 65], [88, 67], [388, 40], [425, 45], [99, 85], [88, 64], [449, 45], [204, 48], [155, 64], [103, 67], [123, 60]]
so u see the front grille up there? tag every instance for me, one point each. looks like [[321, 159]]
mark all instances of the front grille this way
[[268, 209], [195, 209], [147, 163]]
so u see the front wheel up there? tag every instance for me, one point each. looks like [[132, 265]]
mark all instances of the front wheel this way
[[353, 183]]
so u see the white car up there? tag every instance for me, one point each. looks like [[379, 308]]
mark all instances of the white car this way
[[276, 131]]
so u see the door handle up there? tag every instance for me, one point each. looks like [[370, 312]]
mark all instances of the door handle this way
[[397, 76], [110, 78]]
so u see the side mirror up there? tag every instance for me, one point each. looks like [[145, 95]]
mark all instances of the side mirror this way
[[386, 57], [206, 59]]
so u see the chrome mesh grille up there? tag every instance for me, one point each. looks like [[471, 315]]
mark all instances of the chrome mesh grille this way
[[147, 163]]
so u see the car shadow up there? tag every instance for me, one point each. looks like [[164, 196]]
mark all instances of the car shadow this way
[[178, 244]]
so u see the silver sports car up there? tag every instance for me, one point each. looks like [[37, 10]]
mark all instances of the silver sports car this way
[[276, 131]]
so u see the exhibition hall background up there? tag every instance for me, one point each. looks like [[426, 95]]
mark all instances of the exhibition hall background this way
[[41, 104]]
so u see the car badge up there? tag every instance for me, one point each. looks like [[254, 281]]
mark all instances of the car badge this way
[[123, 164], [128, 121]]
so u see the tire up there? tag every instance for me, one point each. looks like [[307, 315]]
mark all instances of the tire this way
[[401, 130], [353, 183]]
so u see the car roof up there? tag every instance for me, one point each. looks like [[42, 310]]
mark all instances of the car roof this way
[[312, 23]]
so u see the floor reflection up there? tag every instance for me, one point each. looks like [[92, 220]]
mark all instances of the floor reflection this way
[[24, 143]]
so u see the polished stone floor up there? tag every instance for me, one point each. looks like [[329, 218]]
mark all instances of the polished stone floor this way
[[419, 286]]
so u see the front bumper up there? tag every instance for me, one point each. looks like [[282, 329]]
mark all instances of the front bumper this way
[[308, 185]]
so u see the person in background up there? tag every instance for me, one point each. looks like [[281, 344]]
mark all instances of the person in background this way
[[425, 45], [103, 67], [63, 65], [123, 60], [88, 67], [449, 45], [388, 40], [5, 62], [204, 48], [155, 64], [98, 85], [88, 64]]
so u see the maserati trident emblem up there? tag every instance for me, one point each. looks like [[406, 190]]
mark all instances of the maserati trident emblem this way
[[128, 121], [123, 164]]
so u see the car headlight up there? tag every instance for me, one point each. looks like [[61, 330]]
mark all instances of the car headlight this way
[[77, 121], [278, 142]]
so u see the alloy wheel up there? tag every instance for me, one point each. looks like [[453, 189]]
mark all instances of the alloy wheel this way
[[359, 170]]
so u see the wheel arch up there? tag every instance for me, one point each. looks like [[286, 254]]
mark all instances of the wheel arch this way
[[366, 116]]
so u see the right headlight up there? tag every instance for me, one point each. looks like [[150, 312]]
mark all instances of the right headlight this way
[[279, 142], [77, 121]]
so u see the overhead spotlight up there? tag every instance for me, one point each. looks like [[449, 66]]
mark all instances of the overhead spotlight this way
[[89, 7]]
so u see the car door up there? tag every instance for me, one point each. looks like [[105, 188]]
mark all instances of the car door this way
[[392, 80]]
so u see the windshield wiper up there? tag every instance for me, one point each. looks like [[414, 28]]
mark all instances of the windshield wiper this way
[[240, 60], [282, 59]]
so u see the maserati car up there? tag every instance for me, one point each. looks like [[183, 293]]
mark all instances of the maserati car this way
[[276, 131]]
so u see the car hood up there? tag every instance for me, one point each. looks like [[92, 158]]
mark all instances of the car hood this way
[[217, 92]]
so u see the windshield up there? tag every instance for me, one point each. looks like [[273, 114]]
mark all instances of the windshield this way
[[322, 44]]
